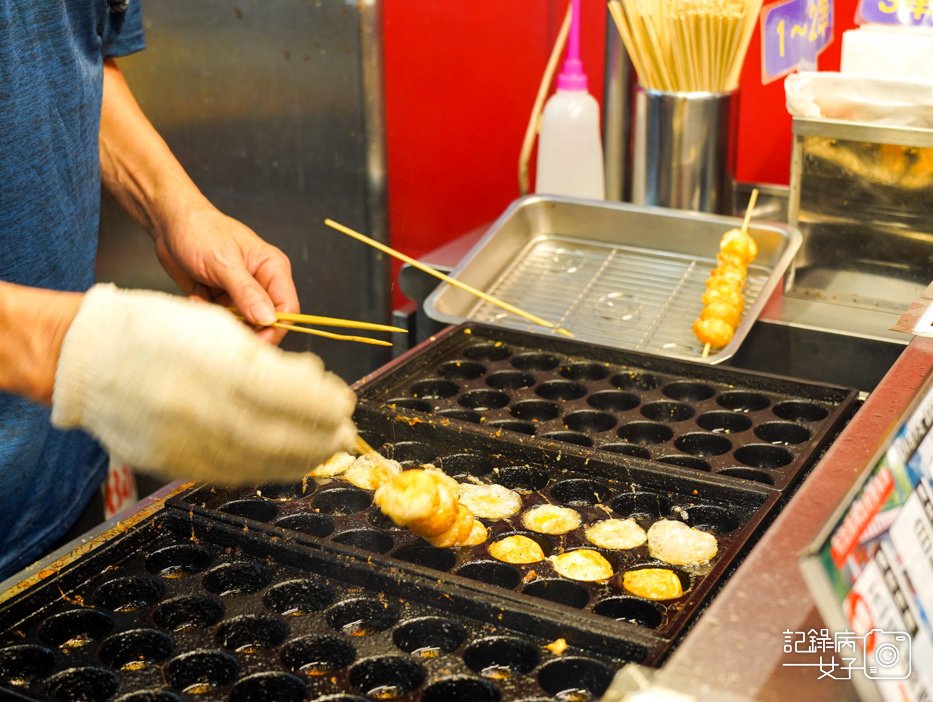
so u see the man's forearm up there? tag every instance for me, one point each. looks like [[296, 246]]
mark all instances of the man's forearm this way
[[137, 166], [33, 324]]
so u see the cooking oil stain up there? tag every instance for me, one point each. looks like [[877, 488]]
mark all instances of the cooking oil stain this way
[[496, 672], [199, 688], [316, 669], [574, 695], [76, 642], [357, 628], [134, 665], [386, 692], [427, 652]]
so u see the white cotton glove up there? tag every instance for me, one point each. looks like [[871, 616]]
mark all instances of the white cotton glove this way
[[184, 389]]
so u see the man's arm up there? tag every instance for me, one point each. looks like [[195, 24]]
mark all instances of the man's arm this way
[[33, 323], [209, 254]]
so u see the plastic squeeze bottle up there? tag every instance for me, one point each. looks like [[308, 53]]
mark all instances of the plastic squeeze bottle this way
[[570, 151]]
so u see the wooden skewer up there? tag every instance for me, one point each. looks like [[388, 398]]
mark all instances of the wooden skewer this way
[[748, 212], [331, 335], [295, 317], [446, 278], [706, 350]]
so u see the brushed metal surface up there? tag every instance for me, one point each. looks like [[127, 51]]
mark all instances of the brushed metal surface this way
[[614, 274], [617, 110], [275, 109], [862, 196]]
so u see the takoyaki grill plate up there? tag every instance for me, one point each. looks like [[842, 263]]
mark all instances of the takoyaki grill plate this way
[[179, 606], [562, 393]]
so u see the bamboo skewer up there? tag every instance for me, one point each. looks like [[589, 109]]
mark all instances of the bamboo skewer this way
[[335, 322], [424, 268], [331, 335]]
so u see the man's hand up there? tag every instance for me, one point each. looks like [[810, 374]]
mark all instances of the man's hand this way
[[210, 255], [216, 258]]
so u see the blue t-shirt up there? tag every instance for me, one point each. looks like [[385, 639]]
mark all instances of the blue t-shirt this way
[[51, 79]]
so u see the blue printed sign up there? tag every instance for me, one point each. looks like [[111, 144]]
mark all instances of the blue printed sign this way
[[794, 33], [910, 13]]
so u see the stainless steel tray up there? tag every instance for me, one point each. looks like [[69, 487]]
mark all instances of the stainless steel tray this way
[[614, 274]]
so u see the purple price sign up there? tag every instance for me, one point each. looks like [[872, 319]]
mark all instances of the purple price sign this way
[[909, 13], [794, 33]]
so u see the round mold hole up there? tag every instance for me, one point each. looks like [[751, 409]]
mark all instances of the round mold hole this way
[[796, 411], [414, 451], [500, 657], [687, 391], [409, 403], [584, 371], [251, 632], [510, 380], [569, 437], [629, 609], [149, 696], [560, 390], [128, 594], [361, 616], [613, 400], [641, 504], [523, 477], [679, 459], [579, 492], [371, 438], [342, 501], [427, 556], [257, 510], [188, 611], [765, 456], [481, 400], [667, 411], [379, 519], [645, 433], [295, 598], [433, 389], [177, 561], [572, 677], [559, 591], [635, 381], [627, 450], [703, 444], [589, 421], [22, 664], [717, 520], [367, 539], [466, 464], [429, 637], [782, 433], [535, 410], [724, 422], [742, 401], [317, 656], [488, 352], [685, 580], [282, 492], [492, 573], [309, 523], [535, 361], [199, 672], [514, 425], [269, 687], [464, 415], [136, 647], [461, 689], [385, 677], [461, 370], [85, 684], [238, 577], [758, 476]]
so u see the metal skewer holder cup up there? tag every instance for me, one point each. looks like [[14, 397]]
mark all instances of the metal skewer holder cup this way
[[683, 154]]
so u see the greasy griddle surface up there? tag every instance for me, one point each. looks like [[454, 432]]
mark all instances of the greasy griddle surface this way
[[334, 512], [180, 603], [739, 424]]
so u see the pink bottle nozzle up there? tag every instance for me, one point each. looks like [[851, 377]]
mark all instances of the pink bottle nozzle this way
[[572, 76]]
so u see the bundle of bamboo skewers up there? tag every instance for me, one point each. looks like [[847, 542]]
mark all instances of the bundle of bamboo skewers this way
[[686, 45]]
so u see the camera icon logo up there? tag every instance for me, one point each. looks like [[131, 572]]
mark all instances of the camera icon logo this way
[[887, 654]]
